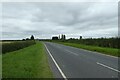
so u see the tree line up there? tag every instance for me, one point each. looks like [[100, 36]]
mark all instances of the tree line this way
[[101, 42]]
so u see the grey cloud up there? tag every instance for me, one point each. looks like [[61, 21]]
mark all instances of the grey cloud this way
[[61, 13], [70, 15], [60, 18]]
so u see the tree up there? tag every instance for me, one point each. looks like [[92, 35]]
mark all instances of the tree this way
[[59, 37], [27, 38], [32, 37], [80, 37], [64, 37], [23, 39], [55, 38]]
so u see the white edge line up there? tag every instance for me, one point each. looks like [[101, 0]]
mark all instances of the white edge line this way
[[72, 52], [108, 67], [63, 75]]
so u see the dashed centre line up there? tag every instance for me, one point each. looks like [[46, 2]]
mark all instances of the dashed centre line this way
[[107, 67], [72, 52]]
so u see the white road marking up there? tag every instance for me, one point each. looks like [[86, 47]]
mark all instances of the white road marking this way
[[107, 67], [63, 75], [71, 52]]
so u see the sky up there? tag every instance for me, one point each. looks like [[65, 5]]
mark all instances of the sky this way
[[46, 19]]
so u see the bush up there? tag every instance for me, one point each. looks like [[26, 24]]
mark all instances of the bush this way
[[15, 45]]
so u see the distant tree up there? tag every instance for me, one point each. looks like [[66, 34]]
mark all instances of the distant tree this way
[[27, 38], [80, 37], [55, 38], [59, 36], [23, 39], [64, 37], [32, 37]]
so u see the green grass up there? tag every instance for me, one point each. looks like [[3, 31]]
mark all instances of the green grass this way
[[108, 51], [0, 65], [30, 62]]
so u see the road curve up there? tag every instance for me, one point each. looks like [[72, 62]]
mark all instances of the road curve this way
[[79, 63]]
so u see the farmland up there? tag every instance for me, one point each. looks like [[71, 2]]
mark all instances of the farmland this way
[[29, 62]]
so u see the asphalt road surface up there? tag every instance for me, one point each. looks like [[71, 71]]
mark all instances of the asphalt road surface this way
[[79, 63]]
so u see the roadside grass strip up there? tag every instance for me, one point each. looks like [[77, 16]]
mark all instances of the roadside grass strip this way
[[30, 62]]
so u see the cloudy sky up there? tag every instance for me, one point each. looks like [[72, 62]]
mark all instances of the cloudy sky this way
[[47, 19]]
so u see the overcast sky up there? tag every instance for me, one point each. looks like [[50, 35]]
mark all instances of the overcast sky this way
[[47, 19]]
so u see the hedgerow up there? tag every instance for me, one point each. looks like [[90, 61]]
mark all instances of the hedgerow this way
[[16, 45]]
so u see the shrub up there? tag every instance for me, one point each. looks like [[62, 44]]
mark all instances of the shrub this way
[[16, 45]]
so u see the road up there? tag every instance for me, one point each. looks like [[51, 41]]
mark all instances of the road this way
[[78, 63]]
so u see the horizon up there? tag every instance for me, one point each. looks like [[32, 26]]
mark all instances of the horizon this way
[[66, 38]]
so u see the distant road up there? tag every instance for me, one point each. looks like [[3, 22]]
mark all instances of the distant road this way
[[78, 63]]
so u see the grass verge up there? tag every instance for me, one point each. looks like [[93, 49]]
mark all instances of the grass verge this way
[[0, 65], [108, 51], [30, 62]]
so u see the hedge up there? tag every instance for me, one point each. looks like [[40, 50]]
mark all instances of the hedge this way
[[15, 45]]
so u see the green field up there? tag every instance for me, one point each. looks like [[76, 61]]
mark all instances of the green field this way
[[30, 62], [109, 51]]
